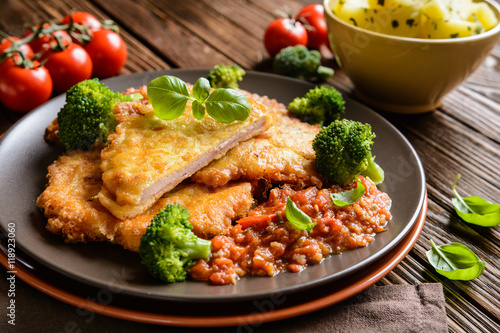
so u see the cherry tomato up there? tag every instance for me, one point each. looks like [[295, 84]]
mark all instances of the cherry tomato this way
[[6, 64], [108, 53], [284, 32], [83, 18], [314, 17], [23, 89], [46, 42], [24, 49], [68, 67]]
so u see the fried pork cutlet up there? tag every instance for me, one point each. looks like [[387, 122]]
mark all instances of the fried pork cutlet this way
[[148, 156], [72, 210], [74, 179], [212, 211], [282, 154]]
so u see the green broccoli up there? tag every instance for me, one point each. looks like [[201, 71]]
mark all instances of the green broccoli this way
[[343, 151], [299, 62], [222, 76], [87, 117], [320, 105], [169, 248]]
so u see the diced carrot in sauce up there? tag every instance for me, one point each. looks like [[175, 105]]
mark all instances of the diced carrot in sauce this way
[[257, 221]]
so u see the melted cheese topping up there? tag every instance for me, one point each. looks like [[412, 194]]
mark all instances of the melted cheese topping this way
[[149, 156]]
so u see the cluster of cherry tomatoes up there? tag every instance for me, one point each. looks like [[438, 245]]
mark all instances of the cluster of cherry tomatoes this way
[[307, 28], [52, 57]]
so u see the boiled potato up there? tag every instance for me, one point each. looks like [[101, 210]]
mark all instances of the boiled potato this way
[[458, 9], [402, 17], [484, 15], [451, 28], [418, 18], [395, 17], [355, 12], [436, 9]]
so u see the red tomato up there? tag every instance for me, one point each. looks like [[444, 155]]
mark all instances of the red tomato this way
[[23, 89], [68, 67], [25, 48], [46, 42], [83, 18], [284, 32], [6, 64], [314, 18], [108, 53]]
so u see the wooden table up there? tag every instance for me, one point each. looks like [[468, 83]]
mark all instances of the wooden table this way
[[462, 136]]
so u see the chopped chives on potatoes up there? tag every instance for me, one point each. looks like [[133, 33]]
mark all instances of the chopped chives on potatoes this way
[[452, 28], [418, 18]]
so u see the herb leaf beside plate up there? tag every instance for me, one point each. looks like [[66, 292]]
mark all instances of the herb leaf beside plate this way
[[475, 210], [455, 261]]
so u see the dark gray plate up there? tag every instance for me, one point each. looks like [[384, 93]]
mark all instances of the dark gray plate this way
[[24, 157]]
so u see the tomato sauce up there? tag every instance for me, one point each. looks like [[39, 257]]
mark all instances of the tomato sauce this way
[[266, 244]]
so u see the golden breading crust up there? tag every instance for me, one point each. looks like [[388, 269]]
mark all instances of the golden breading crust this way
[[148, 157], [212, 211], [282, 154], [69, 202]]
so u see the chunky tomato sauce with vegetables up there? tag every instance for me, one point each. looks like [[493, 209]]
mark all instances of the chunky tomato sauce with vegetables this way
[[265, 243]]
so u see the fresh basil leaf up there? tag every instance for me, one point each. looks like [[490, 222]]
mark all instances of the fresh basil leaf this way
[[227, 105], [198, 110], [298, 218], [201, 89], [168, 96], [349, 197], [455, 261], [475, 210]]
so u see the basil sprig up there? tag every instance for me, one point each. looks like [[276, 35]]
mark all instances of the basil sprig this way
[[455, 261], [475, 210], [169, 96], [349, 197], [298, 218]]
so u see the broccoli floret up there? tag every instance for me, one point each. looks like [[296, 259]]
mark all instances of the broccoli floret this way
[[87, 117], [169, 248], [222, 76], [343, 151], [299, 62], [320, 105]]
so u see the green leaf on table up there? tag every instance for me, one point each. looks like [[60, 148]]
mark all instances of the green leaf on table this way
[[227, 105], [298, 218], [349, 197], [475, 210], [455, 261], [168, 95]]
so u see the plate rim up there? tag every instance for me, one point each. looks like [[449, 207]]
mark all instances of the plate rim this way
[[229, 297]]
